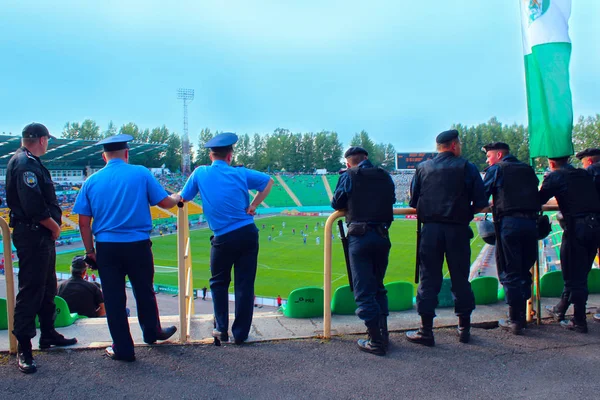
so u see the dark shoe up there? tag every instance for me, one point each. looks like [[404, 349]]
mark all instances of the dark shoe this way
[[421, 336], [556, 313], [26, 362], [54, 338], [597, 317], [385, 334], [374, 343], [513, 327], [220, 337], [110, 353], [166, 333], [574, 326], [464, 329], [239, 342]]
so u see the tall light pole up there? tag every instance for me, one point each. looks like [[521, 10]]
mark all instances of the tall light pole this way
[[187, 95]]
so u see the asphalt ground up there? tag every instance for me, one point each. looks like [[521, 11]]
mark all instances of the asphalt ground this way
[[545, 363]]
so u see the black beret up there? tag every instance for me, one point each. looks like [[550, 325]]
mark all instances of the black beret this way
[[355, 150], [446, 136], [115, 143], [588, 153], [78, 263], [495, 146], [36, 130]]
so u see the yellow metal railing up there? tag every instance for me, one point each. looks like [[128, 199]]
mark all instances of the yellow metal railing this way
[[185, 276], [10, 284], [403, 211]]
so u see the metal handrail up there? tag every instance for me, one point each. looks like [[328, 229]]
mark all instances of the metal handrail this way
[[185, 279], [10, 284], [397, 211]]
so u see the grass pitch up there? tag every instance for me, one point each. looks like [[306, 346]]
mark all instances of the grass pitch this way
[[285, 263]]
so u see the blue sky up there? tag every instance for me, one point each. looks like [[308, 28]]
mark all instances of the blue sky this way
[[401, 70]]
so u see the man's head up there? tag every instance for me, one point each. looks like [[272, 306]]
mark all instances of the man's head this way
[[35, 138], [588, 156], [495, 152], [116, 147], [558, 162], [78, 266], [449, 141], [355, 155], [221, 147]]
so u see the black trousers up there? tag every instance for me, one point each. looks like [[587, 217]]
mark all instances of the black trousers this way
[[135, 261], [453, 241], [579, 245], [37, 281]]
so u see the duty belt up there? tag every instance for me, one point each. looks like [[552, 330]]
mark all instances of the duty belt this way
[[528, 215]]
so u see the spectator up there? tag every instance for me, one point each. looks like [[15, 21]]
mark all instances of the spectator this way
[[82, 297]]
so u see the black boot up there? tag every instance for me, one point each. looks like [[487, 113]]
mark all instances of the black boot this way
[[579, 322], [464, 329], [385, 334], [53, 338], [25, 359], [513, 323], [558, 311], [374, 343], [220, 337], [424, 335]]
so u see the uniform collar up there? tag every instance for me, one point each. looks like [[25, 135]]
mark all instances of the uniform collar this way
[[115, 161], [28, 153], [218, 163]]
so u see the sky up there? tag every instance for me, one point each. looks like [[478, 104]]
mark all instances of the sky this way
[[401, 70]]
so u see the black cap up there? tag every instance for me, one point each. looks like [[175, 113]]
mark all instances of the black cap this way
[[355, 150], [224, 139], [36, 130], [78, 263], [588, 153], [117, 142], [446, 136], [495, 146]]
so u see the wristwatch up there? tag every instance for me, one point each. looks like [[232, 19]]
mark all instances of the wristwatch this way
[[90, 251]]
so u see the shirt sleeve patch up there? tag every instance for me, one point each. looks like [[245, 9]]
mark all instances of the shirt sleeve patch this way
[[30, 179]]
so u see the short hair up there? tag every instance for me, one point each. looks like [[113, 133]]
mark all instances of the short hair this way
[[30, 141], [221, 152], [448, 144], [356, 159], [560, 161]]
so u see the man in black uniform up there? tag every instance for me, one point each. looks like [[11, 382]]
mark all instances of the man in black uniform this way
[[368, 195], [514, 187], [446, 191], [36, 217], [82, 297], [579, 204]]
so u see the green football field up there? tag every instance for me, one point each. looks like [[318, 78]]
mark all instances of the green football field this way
[[284, 263]]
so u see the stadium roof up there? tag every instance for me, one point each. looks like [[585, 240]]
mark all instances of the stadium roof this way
[[71, 152]]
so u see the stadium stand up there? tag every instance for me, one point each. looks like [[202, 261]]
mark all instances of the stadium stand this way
[[309, 189]]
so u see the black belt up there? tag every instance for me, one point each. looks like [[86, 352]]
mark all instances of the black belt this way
[[527, 215]]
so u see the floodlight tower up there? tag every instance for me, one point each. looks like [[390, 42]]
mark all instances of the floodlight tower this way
[[187, 95]]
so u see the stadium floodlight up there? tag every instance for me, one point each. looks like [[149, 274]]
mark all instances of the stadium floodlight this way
[[187, 95]]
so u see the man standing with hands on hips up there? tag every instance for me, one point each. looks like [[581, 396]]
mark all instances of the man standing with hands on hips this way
[[35, 217], [230, 215], [118, 199]]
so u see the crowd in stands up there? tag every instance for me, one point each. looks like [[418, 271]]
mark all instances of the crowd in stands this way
[[402, 180]]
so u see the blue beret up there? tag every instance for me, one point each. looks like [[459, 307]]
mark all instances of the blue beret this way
[[117, 142], [222, 140], [588, 153], [446, 136], [355, 150], [36, 130], [495, 146]]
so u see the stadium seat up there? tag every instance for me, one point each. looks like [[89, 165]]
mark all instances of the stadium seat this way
[[551, 284], [485, 289], [64, 316], [445, 298], [306, 302], [343, 301], [400, 295], [501, 294], [594, 281], [3, 314]]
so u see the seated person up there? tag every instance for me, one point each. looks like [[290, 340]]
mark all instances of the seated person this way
[[83, 297]]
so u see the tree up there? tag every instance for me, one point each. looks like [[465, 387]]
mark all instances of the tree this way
[[202, 157], [130, 129], [586, 132], [87, 130], [111, 130], [172, 159], [71, 130]]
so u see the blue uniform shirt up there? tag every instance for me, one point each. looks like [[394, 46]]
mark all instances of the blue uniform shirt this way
[[118, 198], [224, 192]]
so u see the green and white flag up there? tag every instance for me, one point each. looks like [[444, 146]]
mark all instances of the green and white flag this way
[[547, 49]]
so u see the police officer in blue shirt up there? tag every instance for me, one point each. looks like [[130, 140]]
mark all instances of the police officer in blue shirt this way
[[514, 188], [368, 195], [446, 191], [118, 199], [35, 217], [579, 203], [230, 215]]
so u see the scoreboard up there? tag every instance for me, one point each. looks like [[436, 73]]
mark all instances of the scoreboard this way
[[411, 160]]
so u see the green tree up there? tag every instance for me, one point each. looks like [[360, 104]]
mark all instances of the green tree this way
[[130, 129], [172, 159], [111, 130], [586, 132], [202, 157]]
